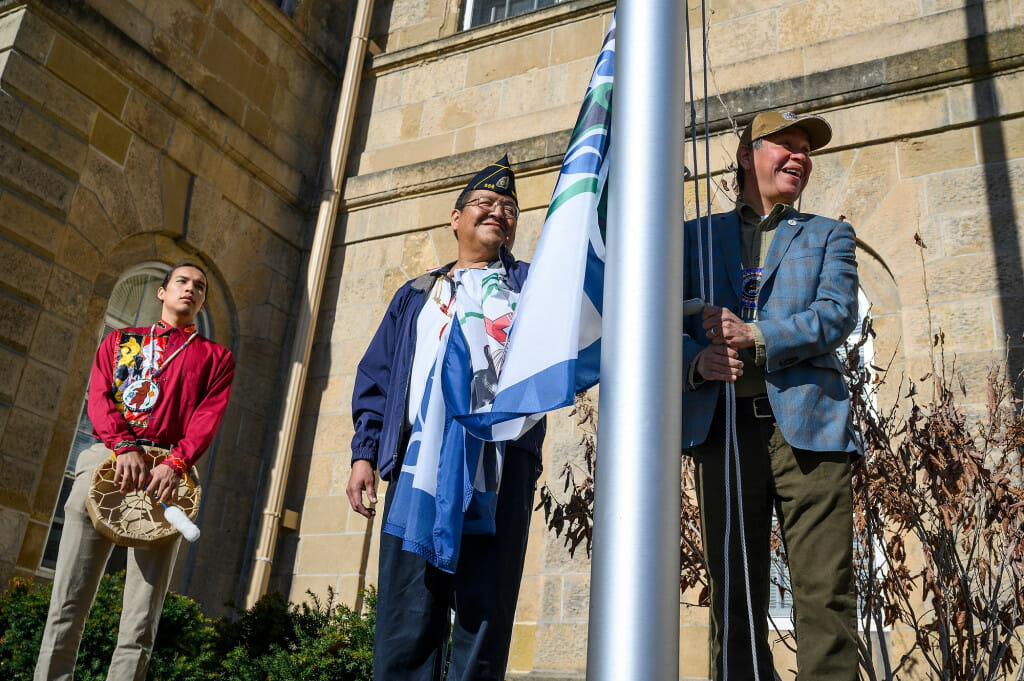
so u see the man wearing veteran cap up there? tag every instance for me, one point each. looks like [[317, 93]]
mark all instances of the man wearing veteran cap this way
[[785, 297], [457, 510]]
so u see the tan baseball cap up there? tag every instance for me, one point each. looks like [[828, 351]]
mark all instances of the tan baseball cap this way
[[819, 132]]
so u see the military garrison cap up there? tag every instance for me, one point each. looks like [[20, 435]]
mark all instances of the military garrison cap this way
[[497, 177]]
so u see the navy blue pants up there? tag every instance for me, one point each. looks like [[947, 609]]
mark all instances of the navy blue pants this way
[[415, 599]]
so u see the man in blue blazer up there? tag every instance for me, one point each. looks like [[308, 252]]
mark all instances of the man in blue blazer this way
[[781, 288]]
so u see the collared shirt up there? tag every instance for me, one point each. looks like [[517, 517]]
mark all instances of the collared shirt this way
[[194, 388], [756, 233]]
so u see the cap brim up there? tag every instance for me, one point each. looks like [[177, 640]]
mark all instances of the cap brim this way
[[819, 132]]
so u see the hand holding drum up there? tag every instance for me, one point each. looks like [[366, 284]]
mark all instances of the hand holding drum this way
[[136, 518]]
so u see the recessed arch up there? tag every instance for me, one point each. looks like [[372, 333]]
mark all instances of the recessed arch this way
[[124, 294]]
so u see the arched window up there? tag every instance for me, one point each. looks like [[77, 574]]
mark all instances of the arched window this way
[[133, 302]]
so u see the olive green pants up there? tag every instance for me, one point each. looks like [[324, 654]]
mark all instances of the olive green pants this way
[[811, 495]]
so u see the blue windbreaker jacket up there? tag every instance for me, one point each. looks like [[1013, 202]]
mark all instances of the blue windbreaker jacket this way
[[380, 397]]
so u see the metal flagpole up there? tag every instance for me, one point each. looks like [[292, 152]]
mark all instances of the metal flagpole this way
[[634, 591]]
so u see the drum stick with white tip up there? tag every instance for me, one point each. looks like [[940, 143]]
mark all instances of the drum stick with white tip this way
[[176, 517]]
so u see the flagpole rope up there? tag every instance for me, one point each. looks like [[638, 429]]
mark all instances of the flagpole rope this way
[[732, 452], [707, 135], [729, 406], [693, 143], [731, 423]]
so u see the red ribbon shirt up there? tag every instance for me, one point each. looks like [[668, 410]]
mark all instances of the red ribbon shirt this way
[[194, 390]]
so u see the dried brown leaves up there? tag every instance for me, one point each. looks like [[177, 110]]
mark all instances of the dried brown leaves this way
[[938, 516], [942, 494]]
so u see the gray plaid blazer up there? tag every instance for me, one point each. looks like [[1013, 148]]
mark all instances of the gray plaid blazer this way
[[807, 307]]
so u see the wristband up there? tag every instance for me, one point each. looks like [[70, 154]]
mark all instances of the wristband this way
[[176, 464], [124, 446]]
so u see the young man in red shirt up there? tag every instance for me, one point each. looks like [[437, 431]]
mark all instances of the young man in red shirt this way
[[162, 385]]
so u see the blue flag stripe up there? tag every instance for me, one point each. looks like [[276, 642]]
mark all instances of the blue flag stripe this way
[[555, 347]]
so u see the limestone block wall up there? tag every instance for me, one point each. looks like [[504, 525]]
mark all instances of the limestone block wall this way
[[135, 132], [475, 89], [334, 547], [925, 101]]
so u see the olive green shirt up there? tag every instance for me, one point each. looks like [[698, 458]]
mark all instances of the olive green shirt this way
[[756, 233]]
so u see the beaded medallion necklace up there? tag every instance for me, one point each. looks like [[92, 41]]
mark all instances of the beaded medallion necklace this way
[[142, 394]]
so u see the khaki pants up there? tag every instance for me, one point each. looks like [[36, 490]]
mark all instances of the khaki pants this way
[[82, 555]]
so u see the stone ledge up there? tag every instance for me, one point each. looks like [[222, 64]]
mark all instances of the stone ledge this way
[[927, 68], [285, 27], [499, 31], [528, 155]]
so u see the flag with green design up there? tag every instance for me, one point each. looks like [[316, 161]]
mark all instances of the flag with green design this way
[[554, 345]]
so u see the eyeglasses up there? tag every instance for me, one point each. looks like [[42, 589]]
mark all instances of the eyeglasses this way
[[485, 203]]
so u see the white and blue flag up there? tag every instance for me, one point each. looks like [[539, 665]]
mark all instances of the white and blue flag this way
[[554, 346], [449, 480], [485, 388]]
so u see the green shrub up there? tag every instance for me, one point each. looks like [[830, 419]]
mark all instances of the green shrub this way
[[22, 615], [182, 651], [259, 629], [272, 641], [314, 641], [185, 641]]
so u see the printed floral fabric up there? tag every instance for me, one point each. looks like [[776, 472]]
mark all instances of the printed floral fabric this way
[[137, 357]]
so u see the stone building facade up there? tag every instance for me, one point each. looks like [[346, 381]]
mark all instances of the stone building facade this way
[[136, 132]]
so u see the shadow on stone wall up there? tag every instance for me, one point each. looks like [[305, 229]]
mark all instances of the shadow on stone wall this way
[[999, 196]]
